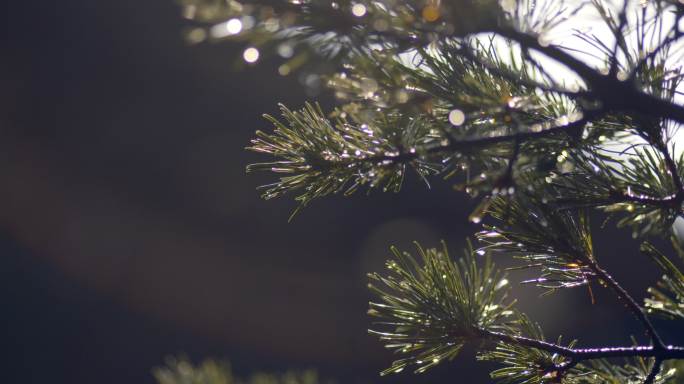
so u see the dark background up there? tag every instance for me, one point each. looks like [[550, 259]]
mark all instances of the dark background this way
[[129, 230]]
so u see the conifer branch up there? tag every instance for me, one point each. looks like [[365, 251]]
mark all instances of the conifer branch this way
[[670, 202], [613, 93], [368, 154], [580, 354]]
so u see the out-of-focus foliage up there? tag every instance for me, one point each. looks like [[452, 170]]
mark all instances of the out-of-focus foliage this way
[[180, 370], [335, 30]]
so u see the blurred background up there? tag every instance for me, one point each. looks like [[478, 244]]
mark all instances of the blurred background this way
[[129, 230]]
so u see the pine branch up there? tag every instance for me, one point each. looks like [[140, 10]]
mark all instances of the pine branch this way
[[580, 354], [324, 157], [436, 306], [613, 93]]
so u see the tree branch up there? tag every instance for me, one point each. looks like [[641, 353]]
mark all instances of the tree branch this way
[[580, 354], [668, 202], [614, 94], [467, 144]]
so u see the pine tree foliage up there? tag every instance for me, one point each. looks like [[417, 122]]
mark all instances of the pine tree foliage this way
[[546, 121]]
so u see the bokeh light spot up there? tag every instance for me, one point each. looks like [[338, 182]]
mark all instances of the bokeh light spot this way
[[251, 55], [358, 10], [430, 13]]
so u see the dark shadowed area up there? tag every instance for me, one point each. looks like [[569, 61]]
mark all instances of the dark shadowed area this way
[[129, 230]]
